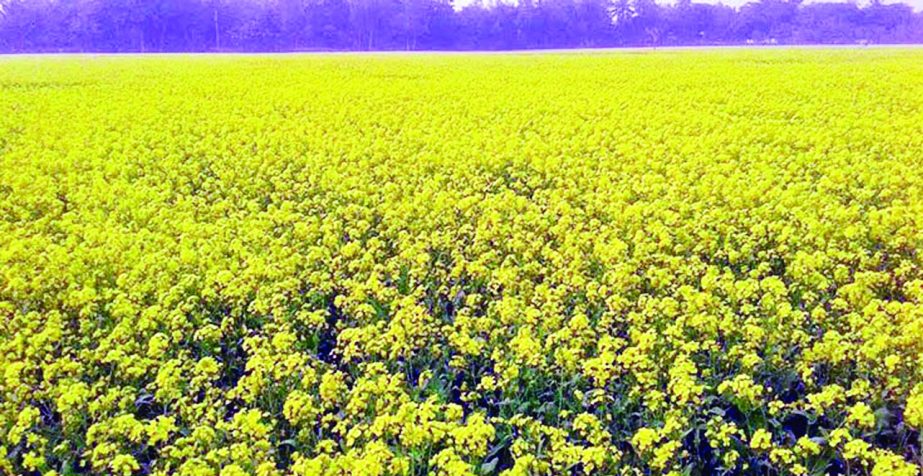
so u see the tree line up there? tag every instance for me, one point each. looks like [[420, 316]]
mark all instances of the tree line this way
[[306, 25]]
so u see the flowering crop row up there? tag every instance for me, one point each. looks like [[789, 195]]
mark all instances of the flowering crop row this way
[[671, 263]]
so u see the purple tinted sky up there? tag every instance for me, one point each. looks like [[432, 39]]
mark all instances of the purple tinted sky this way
[[916, 4]]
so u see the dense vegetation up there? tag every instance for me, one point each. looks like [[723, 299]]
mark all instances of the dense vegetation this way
[[667, 263], [286, 25]]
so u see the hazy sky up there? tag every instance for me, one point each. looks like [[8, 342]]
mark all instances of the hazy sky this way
[[916, 4]]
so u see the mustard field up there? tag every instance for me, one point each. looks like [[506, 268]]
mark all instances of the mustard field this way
[[615, 263]]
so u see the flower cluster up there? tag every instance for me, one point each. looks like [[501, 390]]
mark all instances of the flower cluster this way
[[671, 263]]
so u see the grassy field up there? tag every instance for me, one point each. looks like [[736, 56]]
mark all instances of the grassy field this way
[[675, 262]]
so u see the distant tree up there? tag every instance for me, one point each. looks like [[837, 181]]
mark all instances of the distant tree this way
[[441, 30], [893, 22], [373, 23], [275, 25], [829, 23], [218, 18], [591, 23], [329, 23], [648, 22], [767, 20], [291, 18]]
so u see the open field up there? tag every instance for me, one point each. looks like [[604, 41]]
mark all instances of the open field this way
[[533, 51], [681, 262]]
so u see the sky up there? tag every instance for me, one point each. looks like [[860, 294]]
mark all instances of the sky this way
[[916, 4]]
